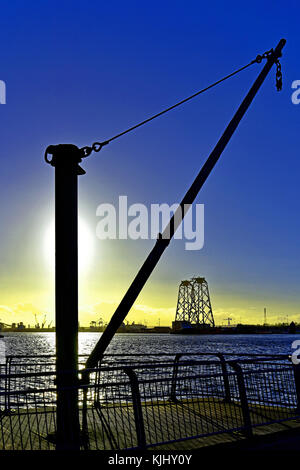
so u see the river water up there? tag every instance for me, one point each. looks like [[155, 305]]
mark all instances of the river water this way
[[44, 343]]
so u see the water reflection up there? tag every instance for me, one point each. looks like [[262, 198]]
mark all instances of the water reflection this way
[[44, 343]]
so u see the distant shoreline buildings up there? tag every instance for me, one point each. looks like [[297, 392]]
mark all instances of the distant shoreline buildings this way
[[178, 327]]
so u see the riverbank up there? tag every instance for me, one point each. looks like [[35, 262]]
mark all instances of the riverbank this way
[[244, 330]]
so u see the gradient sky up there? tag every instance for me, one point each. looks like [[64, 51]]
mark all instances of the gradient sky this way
[[77, 72]]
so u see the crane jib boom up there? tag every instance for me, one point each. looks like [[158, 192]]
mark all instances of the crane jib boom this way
[[164, 239]]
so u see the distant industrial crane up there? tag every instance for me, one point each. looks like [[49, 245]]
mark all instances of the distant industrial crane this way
[[228, 320], [44, 321], [4, 324], [37, 325]]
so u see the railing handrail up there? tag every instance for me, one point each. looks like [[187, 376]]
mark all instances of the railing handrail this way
[[197, 378], [282, 355], [139, 366]]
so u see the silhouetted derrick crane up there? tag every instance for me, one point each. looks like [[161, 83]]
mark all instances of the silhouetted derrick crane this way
[[194, 304], [163, 239]]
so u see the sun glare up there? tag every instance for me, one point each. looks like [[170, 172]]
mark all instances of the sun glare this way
[[85, 246]]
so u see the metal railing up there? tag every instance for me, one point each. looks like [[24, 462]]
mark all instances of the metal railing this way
[[146, 402]]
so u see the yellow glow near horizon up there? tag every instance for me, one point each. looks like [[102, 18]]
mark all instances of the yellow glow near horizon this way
[[85, 246]]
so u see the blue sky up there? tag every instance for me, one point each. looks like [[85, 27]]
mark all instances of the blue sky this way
[[77, 72]]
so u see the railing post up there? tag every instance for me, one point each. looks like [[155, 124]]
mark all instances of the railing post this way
[[137, 408], [227, 398], [85, 381], [7, 382], [174, 377], [243, 397], [296, 370]]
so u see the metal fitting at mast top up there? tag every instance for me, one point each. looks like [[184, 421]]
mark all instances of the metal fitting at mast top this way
[[65, 155]]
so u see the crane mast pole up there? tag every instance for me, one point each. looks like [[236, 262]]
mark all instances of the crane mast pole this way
[[65, 160]]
